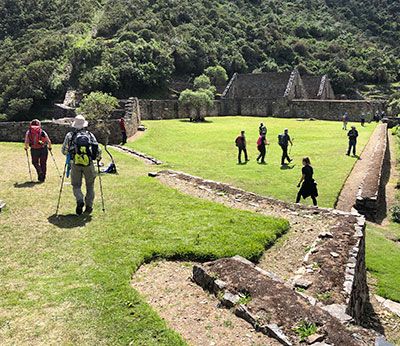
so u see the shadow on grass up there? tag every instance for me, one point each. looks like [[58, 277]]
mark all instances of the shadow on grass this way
[[196, 122], [284, 167], [69, 220], [26, 184]]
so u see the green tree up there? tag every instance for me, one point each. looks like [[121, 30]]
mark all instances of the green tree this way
[[217, 75], [201, 100]]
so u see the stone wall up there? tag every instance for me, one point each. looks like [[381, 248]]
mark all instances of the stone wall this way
[[282, 108], [371, 193], [15, 131]]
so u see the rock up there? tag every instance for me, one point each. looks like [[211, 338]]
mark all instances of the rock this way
[[379, 299], [153, 174], [219, 285], [314, 338], [310, 271], [2, 205], [202, 278], [230, 300], [338, 311], [325, 235], [379, 341], [392, 306], [274, 331], [242, 312], [334, 254], [302, 283], [321, 344], [243, 260]]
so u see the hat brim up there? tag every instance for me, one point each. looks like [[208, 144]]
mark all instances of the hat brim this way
[[79, 125]]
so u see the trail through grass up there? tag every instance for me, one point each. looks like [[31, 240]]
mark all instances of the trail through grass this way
[[208, 150], [67, 281]]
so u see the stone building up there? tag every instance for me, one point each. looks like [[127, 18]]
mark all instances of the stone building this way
[[277, 85]]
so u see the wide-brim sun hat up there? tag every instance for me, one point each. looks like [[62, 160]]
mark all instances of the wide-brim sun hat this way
[[79, 122]]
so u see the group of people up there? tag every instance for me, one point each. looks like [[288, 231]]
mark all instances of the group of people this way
[[307, 183], [81, 148], [364, 118]]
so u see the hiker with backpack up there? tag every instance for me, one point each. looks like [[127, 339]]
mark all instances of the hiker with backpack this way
[[123, 130], [283, 141], [262, 129], [241, 144], [83, 149], [309, 186], [261, 142], [40, 143]]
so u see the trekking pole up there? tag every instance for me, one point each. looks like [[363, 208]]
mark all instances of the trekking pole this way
[[290, 150], [101, 186], [55, 163], [29, 167], [62, 184]]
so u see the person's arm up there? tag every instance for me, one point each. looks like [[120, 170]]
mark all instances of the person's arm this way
[[291, 143], [301, 180], [48, 141], [66, 144]]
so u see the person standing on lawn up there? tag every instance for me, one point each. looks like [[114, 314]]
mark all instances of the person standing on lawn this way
[[83, 149], [363, 118], [345, 121], [123, 130], [261, 142], [352, 134], [241, 144], [283, 141], [309, 186], [40, 143], [262, 129]]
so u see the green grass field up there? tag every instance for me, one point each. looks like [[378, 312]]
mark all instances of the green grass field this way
[[208, 150], [67, 281]]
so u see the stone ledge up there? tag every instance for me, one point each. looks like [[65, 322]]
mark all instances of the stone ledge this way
[[2, 205]]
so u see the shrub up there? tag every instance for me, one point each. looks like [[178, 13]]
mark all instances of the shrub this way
[[395, 211]]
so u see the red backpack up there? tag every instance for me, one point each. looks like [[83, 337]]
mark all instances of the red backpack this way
[[36, 138]]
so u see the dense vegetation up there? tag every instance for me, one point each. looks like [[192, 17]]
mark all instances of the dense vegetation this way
[[135, 47]]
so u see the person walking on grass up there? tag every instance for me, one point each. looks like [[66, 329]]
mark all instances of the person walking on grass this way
[[123, 130], [83, 149], [241, 144], [345, 121], [261, 143], [283, 141], [262, 129], [352, 134], [363, 118], [40, 143], [309, 186]]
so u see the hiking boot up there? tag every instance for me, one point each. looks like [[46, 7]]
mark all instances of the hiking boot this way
[[290, 160], [41, 176], [88, 210], [79, 208]]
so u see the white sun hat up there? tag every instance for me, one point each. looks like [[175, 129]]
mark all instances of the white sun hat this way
[[79, 122]]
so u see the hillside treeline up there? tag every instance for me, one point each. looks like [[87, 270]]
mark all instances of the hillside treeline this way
[[135, 47]]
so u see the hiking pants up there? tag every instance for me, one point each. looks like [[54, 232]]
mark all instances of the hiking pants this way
[[262, 154], [39, 160], [77, 173], [240, 153], [352, 144], [124, 138], [284, 154]]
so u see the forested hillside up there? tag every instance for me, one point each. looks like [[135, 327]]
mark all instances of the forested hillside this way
[[135, 47]]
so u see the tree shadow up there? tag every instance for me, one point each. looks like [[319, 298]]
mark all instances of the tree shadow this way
[[69, 220], [26, 184], [285, 167]]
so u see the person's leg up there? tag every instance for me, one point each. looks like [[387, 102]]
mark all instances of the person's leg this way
[[314, 200], [240, 154], [35, 162], [76, 182], [263, 156], [348, 150], [283, 155], [43, 163], [354, 148], [298, 197], [90, 176], [245, 154], [124, 138]]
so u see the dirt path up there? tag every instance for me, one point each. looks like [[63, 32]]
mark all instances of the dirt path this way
[[349, 191]]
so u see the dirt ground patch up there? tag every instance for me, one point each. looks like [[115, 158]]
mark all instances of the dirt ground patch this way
[[195, 314]]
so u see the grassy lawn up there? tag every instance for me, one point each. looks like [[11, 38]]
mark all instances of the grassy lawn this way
[[208, 150], [67, 281], [383, 259]]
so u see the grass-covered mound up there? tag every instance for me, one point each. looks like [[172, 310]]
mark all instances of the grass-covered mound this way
[[67, 281], [208, 150]]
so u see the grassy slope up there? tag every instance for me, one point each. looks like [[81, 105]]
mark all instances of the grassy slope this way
[[383, 259], [208, 150], [66, 281]]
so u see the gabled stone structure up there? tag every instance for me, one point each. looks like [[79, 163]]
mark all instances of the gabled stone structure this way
[[277, 85]]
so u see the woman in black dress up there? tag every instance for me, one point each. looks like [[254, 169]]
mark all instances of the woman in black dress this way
[[309, 187]]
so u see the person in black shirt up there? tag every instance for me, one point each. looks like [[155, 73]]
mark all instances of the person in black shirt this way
[[241, 144], [352, 134], [309, 186], [262, 129], [283, 141]]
